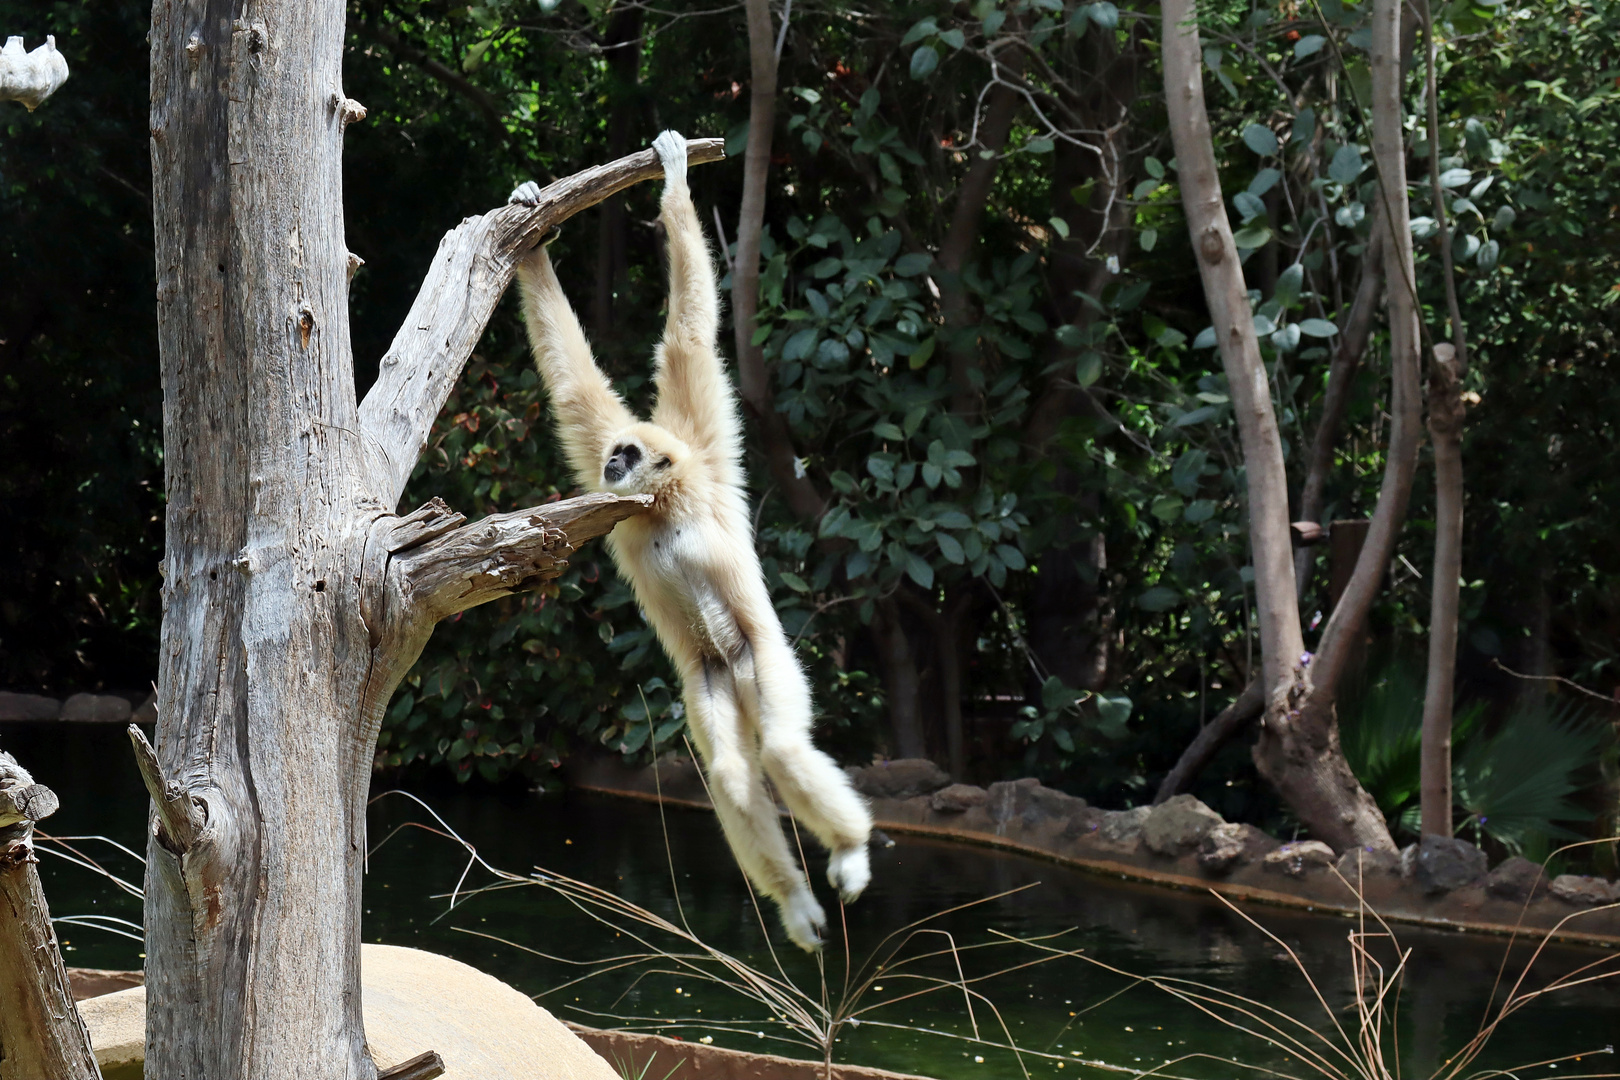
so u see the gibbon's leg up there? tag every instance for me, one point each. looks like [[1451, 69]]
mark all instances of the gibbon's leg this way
[[695, 398], [812, 785], [752, 826], [588, 412]]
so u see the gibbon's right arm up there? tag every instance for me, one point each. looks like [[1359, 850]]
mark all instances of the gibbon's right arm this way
[[695, 397], [587, 410]]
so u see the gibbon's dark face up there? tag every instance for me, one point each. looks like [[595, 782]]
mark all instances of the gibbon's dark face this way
[[632, 466]]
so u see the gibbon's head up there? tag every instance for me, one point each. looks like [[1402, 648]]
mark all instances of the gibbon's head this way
[[643, 459]]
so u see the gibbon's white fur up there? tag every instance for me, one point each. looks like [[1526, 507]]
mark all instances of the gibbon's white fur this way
[[692, 563]]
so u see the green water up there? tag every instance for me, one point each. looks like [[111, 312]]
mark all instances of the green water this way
[[1067, 1007]]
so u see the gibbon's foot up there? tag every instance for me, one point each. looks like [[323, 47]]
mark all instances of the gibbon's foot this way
[[804, 920], [850, 871], [525, 194], [671, 148]]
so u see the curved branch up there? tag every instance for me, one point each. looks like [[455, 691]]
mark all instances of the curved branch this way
[[469, 274]]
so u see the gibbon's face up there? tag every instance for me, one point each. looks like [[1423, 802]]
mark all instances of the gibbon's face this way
[[642, 461]]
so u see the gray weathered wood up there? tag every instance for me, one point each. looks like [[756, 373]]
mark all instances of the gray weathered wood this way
[[41, 1034], [470, 271], [294, 598], [421, 1067]]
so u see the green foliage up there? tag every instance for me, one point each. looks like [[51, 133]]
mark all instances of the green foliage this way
[[1516, 785]]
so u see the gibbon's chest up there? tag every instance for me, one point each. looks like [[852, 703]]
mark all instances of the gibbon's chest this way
[[675, 566]]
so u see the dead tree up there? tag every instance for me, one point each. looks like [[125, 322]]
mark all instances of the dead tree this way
[[295, 596], [41, 1034]]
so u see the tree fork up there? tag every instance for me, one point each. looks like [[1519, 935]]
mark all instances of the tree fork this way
[[294, 596]]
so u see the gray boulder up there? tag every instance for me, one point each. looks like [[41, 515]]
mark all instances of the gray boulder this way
[[957, 799], [1121, 830], [900, 779], [1053, 803], [1359, 864], [1585, 891], [1299, 858], [96, 709], [1010, 799], [1442, 864], [1517, 879], [1178, 824], [28, 707], [1229, 845]]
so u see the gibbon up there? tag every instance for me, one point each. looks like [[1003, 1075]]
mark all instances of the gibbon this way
[[691, 561]]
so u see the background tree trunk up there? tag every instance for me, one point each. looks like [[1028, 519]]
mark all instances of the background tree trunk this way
[[1445, 431], [1298, 751], [294, 598], [41, 1034]]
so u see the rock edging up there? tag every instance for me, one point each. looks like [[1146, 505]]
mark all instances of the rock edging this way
[[1183, 844]]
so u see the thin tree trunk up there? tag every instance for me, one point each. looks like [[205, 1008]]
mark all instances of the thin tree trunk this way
[[1227, 725], [1445, 431], [1354, 333], [753, 379], [294, 598], [41, 1034], [899, 680], [1298, 751]]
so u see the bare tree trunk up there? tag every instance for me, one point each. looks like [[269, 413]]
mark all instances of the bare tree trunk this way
[[900, 681], [41, 1034], [753, 379], [1298, 751], [1445, 430], [294, 598], [1354, 333]]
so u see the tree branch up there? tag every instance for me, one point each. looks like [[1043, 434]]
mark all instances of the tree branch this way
[[435, 573], [470, 272], [1214, 735]]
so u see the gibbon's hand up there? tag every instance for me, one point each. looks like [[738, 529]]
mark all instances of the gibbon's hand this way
[[525, 194], [671, 148]]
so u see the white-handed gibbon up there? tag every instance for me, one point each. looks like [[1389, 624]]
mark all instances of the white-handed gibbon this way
[[691, 561]]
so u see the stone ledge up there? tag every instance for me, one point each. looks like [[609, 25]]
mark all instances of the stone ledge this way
[[1024, 817], [79, 708]]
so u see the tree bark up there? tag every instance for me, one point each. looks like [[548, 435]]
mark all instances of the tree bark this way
[[1298, 751], [900, 680], [1445, 431], [41, 1034], [294, 598], [1226, 726]]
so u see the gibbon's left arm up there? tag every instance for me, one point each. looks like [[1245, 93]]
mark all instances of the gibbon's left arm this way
[[695, 397]]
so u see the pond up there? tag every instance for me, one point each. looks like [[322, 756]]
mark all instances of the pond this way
[[1068, 1007]]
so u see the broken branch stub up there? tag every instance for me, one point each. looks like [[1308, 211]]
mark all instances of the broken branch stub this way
[[470, 271], [41, 1034]]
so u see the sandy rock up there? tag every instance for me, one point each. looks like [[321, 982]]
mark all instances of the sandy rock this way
[[413, 1001], [1442, 864], [1359, 864], [1229, 845], [1517, 879], [28, 707], [1299, 858], [900, 779], [957, 799], [1585, 891], [1178, 824], [1010, 799], [96, 709]]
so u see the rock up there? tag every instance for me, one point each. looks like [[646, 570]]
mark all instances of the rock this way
[[1517, 879], [413, 1002], [1177, 824], [1442, 864], [957, 798], [1299, 858], [1121, 830], [28, 707], [96, 709], [1011, 799], [1056, 804], [1585, 891], [1359, 864], [145, 712], [94, 982], [900, 779], [1230, 844]]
